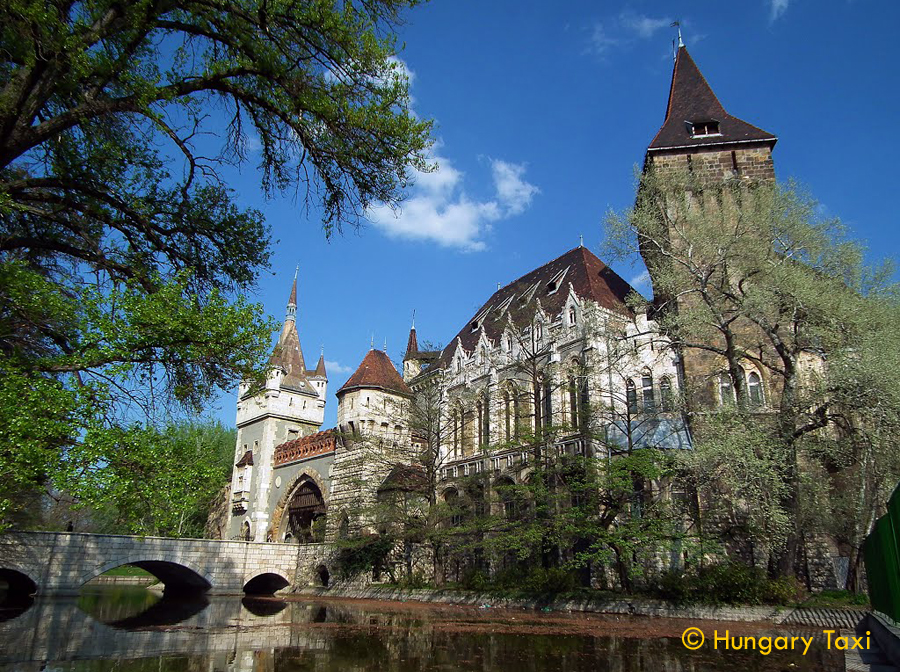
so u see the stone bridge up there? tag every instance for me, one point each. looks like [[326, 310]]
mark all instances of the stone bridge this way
[[59, 563]]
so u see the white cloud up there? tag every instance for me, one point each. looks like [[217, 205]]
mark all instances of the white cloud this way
[[601, 41], [777, 8], [512, 191], [336, 367], [644, 26], [438, 209], [640, 281], [625, 28]]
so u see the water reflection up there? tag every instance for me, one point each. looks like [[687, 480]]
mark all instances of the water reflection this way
[[131, 631]]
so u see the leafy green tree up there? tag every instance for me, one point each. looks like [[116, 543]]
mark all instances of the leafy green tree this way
[[752, 275], [156, 482], [124, 255]]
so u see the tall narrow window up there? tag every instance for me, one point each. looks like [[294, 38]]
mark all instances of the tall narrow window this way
[[486, 421], [507, 417], [584, 402], [631, 397], [538, 333], [456, 433], [726, 389], [479, 410], [517, 420], [665, 393], [572, 315], [548, 403], [649, 402], [573, 401], [754, 390]]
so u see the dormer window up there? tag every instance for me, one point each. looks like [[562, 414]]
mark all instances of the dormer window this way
[[554, 284], [702, 129]]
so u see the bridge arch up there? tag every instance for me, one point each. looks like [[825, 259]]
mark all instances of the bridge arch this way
[[266, 583], [175, 574], [18, 583]]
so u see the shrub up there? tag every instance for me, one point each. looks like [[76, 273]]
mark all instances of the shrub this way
[[728, 583]]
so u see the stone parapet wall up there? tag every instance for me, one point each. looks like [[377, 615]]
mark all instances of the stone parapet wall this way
[[61, 562]]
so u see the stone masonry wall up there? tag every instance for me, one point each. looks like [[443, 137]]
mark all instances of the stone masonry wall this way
[[60, 563]]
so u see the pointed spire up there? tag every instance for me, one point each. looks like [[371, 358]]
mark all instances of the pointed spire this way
[[291, 313], [412, 344], [694, 115], [320, 367]]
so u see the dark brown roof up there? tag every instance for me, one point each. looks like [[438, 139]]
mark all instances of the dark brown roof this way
[[691, 100], [378, 372], [589, 277], [320, 368], [246, 460], [412, 344], [405, 477]]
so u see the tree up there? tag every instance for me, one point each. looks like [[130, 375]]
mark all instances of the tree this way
[[753, 277], [121, 245]]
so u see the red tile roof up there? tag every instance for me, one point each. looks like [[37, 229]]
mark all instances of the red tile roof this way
[[589, 277], [691, 99], [308, 446], [376, 371]]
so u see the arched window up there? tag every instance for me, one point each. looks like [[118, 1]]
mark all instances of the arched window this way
[[459, 364], [457, 432], [538, 333], [631, 396], [665, 393], [451, 499], [509, 343], [726, 389], [647, 398], [573, 317], [754, 390]]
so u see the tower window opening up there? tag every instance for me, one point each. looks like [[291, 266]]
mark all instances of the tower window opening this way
[[701, 129]]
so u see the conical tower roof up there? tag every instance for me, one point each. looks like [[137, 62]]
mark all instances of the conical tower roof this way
[[376, 372], [412, 344], [692, 104]]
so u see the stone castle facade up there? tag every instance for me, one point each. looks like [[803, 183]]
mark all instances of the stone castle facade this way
[[559, 350]]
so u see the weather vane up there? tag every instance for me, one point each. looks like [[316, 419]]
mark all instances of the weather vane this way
[[677, 24]]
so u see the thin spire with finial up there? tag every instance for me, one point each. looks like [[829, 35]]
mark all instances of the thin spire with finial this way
[[291, 313], [677, 24], [580, 240], [413, 319], [385, 343], [372, 342]]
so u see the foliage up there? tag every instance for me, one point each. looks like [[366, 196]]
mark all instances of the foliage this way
[[124, 255], [728, 583], [144, 481], [362, 554], [752, 275]]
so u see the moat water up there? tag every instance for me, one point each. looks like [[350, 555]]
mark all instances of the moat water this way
[[135, 630]]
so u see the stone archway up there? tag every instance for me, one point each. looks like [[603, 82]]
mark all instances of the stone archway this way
[[279, 527]]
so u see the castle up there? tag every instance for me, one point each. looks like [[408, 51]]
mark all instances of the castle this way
[[560, 348]]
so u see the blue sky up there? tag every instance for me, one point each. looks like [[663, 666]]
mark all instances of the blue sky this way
[[542, 110]]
